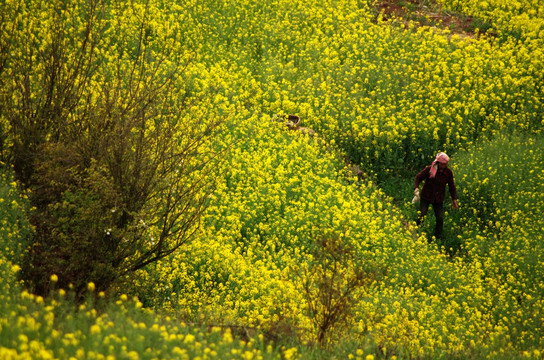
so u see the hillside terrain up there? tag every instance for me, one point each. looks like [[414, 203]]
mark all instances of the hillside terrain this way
[[157, 202]]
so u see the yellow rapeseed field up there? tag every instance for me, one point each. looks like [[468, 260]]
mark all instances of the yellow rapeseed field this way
[[298, 256]]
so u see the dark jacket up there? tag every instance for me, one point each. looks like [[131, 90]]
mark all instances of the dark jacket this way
[[434, 189]]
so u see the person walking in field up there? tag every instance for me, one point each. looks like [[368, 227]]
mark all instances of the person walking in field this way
[[436, 176]]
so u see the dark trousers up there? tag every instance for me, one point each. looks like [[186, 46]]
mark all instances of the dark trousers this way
[[438, 213]]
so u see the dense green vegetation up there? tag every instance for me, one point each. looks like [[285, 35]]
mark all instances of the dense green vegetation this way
[[153, 205]]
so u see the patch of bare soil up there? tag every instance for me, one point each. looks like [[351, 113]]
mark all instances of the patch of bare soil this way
[[430, 13]]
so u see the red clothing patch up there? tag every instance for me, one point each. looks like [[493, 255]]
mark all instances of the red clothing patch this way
[[434, 189]]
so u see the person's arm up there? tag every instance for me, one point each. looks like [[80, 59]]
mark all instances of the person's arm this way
[[417, 180], [422, 175]]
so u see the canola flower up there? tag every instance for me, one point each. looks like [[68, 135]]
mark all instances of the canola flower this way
[[35, 328], [234, 275], [523, 18], [379, 91], [507, 203], [385, 97]]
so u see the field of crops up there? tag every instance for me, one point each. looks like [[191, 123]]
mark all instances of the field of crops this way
[[307, 246]]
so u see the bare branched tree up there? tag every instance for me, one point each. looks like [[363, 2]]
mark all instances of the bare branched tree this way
[[102, 133], [331, 282]]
